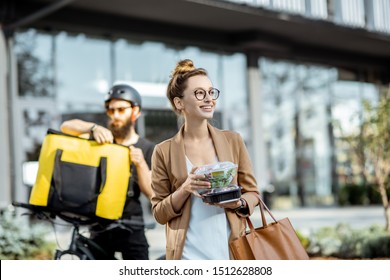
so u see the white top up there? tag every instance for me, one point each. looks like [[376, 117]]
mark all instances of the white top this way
[[208, 232]]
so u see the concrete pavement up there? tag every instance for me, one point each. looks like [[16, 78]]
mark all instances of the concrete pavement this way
[[306, 219]]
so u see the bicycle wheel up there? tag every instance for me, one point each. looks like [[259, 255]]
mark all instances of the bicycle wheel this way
[[82, 253]]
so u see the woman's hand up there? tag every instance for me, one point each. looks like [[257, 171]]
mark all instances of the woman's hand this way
[[191, 185], [229, 205], [195, 182]]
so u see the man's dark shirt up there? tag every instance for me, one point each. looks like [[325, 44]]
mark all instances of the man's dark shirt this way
[[133, 204]]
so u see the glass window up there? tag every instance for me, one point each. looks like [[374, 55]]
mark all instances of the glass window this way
[[87, 66], [296, 97], [234, 94], [347, 97], [145, 62], [83, 72], [35, 63]]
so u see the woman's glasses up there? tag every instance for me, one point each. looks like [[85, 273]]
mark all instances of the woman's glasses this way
[[200, 94], [121, 110]]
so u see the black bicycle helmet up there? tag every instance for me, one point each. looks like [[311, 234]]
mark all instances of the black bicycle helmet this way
[[124, 92]]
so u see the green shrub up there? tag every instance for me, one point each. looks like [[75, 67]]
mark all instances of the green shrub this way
[[352, 194], [358, 194], [378, 247], [21, 240], [344, 242]]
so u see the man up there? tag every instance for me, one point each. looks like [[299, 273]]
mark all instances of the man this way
[[123, 107]]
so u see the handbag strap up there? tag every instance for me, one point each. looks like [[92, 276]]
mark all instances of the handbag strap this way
[[262, 206]]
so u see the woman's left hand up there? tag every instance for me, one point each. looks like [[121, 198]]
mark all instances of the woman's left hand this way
[[229, 205]]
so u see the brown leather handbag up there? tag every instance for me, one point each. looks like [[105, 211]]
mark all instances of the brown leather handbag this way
[[273, 241]]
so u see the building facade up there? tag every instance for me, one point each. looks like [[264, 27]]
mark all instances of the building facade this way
[[286, 70]]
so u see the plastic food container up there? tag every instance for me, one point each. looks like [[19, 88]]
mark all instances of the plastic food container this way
[[222, 195], [220, 175]]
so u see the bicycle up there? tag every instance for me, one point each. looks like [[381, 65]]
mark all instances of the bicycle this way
[[80, 246]]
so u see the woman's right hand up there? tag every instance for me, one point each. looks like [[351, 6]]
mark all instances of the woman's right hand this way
[[195, 182]]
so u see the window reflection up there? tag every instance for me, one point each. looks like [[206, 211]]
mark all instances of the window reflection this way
[[35, 64], [308, 161], [83, 72], [145, 62], [78, 70]]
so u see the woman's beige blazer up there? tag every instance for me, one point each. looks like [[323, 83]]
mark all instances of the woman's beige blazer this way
[[169, 172]]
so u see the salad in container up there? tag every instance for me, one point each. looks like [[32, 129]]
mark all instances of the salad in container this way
[[220, 175]]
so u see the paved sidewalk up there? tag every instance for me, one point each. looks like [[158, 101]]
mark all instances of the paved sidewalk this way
[[306, 219]]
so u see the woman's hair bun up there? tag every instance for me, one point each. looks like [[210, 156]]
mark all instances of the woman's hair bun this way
[[183, 66]]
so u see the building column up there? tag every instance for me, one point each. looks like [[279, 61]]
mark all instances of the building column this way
[[258, 155], [369, 16], [19, 192], [5, 148]]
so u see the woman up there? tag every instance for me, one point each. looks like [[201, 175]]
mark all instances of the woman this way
[[195, 230]]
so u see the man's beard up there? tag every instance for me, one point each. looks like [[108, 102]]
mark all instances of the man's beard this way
[[120, 132]]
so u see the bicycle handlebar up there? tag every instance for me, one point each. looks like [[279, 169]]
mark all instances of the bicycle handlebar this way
[[43, 212], [48, 213]]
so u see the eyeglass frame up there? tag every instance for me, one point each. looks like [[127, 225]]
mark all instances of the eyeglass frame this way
[[121, 110], [196, 92]]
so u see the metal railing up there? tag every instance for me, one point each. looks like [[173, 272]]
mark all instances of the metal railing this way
[[373, 15]]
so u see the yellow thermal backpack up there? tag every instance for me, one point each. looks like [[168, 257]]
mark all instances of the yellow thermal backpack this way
[[81, 177]]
